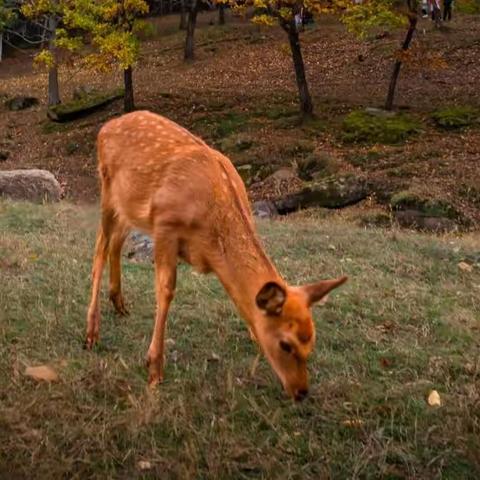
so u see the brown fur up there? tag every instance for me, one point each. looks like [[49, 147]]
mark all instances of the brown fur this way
[[159, 178]]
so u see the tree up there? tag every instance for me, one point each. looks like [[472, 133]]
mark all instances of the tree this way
[[221, 5], [112, 26], [362, 18], [49, 14], [191, 24], [183, 15], [7, 16], [287, 14]]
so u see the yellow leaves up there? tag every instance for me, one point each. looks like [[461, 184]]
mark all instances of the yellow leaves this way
[[44, 58], [260, 4], [353, 423], [286, 13], [362, 18], [264, 20]]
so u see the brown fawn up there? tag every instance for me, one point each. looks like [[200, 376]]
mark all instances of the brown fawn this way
[[159, 178]]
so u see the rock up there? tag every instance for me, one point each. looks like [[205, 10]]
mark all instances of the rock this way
[[379, 112], [236, 143], [139, 247], [4, 155], [21, 103], [32, 185], [414, 211], [335, 192], [264, 209], [419, 221], [283, 173]]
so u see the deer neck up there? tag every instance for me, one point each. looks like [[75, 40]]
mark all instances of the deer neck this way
[[243, 271]]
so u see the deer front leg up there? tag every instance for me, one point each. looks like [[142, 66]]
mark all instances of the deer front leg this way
[[101, 252], [165, 278]]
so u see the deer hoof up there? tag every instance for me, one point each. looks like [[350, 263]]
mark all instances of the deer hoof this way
[[119, 304]]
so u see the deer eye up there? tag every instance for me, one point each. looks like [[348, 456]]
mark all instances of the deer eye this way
[[285, 346]]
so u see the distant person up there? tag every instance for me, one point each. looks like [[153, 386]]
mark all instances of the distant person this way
[[435, 11], [447, 10], [424, 9]]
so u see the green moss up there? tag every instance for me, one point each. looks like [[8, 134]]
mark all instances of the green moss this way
[[363, 127], [456, 117], [361, 160], [222, 125]]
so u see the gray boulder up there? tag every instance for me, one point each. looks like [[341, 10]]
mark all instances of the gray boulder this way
[[139, 247], [32, 185], [264, 209]]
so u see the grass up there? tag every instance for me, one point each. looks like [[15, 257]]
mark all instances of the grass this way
[[406, 323]]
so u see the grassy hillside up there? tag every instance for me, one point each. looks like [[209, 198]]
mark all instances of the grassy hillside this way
[[240, 96], [406, 323]]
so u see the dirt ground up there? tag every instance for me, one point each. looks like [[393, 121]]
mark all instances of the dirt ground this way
[[242, 81]]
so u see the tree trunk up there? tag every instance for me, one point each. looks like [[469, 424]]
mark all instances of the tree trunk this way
[[396, 68], [306, 105], [53, 89], [129, 104], [192, 21], [221, 14], [183, 16]]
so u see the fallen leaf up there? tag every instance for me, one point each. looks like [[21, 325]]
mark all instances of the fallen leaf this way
[[144, 465], [42, 373], [214, 357], [353, 423], [465, 267], [434, 399]]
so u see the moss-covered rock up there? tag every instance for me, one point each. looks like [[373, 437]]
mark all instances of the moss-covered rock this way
[[407, 200], [457, 117], [366, 127], [82, 106], [415, 211], [334, 192], [316, 165]]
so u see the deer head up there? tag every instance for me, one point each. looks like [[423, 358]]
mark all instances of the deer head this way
[[285, 330]]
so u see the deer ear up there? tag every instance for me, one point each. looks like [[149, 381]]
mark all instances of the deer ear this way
[[271, 298], [316, 291]]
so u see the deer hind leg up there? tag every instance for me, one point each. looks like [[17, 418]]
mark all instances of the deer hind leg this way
[[117, 239], [100, 256], [166, 251]]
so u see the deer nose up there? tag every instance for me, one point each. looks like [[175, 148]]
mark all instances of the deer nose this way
[[300, 394]]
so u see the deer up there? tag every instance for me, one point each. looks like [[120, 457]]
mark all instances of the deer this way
[[159, 178]]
